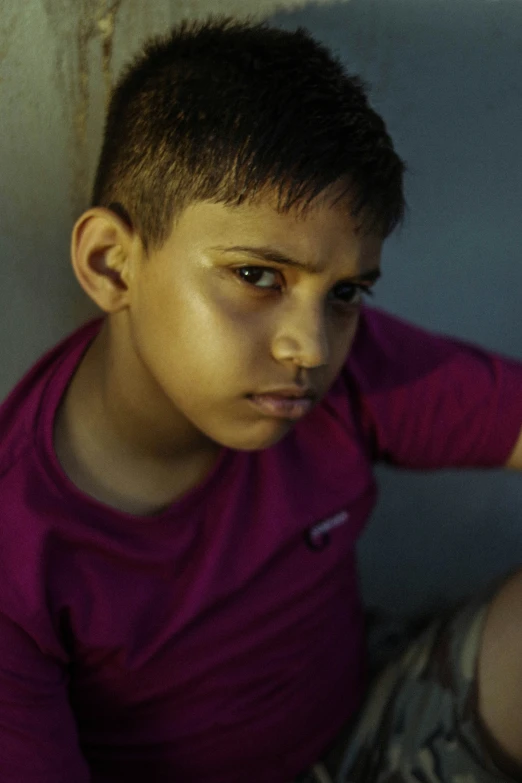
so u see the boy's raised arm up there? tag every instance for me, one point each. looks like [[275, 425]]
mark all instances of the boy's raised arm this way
[[38, 737], [514, 461]]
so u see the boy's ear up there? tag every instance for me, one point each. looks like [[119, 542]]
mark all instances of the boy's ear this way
[[103, 252]]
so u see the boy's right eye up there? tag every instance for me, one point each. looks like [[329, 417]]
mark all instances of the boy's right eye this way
[[260, 277]]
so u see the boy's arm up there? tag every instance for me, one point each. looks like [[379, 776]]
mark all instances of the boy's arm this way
[[514, 461], [427, 401], [38, 736]]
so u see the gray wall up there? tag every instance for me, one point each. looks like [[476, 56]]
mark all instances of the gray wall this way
[[446, 75]]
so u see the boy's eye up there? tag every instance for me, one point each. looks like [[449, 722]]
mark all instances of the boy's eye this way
[[260, 277], [350, 293]]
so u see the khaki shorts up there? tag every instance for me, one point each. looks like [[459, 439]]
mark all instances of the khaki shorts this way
[[420, 721]]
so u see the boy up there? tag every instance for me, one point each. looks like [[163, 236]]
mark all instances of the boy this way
[[183, 482]]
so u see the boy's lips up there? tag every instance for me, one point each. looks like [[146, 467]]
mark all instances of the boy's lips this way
[[284, 403]]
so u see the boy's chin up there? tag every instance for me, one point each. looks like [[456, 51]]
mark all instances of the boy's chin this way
[[259, 440]]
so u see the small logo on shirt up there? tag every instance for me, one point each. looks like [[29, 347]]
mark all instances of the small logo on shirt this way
[[318, 537]]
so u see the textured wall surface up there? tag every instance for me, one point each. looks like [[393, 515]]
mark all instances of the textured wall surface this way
[[446, 75]]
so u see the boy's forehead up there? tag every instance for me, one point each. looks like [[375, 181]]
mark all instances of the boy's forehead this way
[[274, 201], [264, 213], [322, 228]]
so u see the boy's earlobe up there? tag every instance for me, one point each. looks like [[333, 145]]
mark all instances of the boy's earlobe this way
[[101, 251]]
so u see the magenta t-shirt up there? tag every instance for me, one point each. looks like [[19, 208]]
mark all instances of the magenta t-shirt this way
[[220, 641]]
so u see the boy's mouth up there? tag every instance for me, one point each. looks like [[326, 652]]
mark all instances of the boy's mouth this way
[[287, 403]]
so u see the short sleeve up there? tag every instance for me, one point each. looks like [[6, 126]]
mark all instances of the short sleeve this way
[[38, 738], [427, 401]]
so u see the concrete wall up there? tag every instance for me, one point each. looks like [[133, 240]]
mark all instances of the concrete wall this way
[[446, 75]]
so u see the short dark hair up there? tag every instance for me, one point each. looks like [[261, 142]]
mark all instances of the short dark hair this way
[[229, 111]]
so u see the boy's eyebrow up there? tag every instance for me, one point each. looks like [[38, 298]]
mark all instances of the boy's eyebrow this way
[[270, 254]]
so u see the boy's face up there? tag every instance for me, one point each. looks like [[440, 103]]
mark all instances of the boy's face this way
[[244, 317]]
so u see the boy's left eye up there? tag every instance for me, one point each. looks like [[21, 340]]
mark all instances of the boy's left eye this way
[[260, 276], [350, 293]]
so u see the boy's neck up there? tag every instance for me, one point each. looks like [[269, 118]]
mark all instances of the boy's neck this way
[[116, 446]]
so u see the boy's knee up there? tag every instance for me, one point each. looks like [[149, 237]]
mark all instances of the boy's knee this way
[[500, 668]]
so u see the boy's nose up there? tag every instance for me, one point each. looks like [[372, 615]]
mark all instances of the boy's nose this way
[[302, 339]]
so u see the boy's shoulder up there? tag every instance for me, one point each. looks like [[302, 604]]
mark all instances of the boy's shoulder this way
[[22, 414], [390, 352]]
